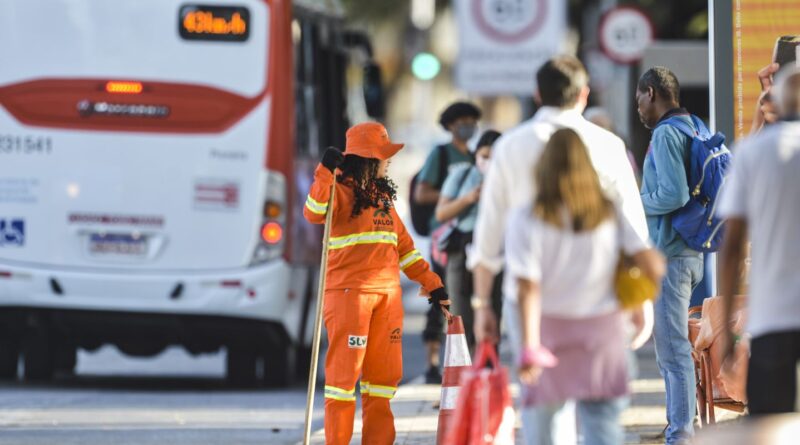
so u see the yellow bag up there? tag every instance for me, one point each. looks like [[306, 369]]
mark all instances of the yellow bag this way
[[632, 286]]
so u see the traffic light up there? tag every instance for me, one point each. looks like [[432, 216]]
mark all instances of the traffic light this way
[[425, 66]]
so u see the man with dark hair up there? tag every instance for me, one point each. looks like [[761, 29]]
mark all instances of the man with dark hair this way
[[665, 189], [562, 92], [461, 120]]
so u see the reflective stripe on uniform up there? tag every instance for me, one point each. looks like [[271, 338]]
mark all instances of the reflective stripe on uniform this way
[[363, 238], [364, 387], [410, 258], [387, 392], [320, 208], [332, 392]]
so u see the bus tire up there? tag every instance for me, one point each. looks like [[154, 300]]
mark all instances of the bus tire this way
[[9, 358], [241, 366], [65, 358], [37, 355], [279, 365], [303, 362]]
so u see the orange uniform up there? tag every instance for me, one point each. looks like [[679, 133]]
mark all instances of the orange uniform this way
[[363, 309]]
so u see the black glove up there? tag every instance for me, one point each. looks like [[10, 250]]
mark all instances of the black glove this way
[[332, 158], [439, 298]]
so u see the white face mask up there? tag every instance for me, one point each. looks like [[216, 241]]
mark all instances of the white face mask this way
[[482, 164]]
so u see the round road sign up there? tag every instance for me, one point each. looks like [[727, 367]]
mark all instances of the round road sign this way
[[625, 33], [509, 21]]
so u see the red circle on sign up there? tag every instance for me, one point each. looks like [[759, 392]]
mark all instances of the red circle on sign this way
[[604, 22], [522, 34]]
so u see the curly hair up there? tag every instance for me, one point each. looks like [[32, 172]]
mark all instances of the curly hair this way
[[370, 191]]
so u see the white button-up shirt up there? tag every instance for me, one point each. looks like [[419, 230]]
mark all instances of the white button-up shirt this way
[[509, 182]]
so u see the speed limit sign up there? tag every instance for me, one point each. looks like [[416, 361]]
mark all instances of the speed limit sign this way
[[625, 33]]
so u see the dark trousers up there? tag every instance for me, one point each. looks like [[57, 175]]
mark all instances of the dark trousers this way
[[460, 289], [771, 376], [434, 320]]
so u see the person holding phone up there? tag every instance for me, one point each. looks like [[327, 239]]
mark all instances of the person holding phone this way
[[784, 56]]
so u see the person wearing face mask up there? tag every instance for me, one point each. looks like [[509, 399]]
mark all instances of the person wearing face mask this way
[[460, 119], [458, 203]]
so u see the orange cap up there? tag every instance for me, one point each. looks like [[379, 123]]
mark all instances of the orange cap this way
[[370, 140]]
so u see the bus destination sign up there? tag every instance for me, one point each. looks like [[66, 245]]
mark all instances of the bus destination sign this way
[[214, 23]]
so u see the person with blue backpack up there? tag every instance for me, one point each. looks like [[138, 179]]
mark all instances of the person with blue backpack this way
[[683, 172]]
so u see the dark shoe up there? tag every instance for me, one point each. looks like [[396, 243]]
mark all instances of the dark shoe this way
[[433, 376]]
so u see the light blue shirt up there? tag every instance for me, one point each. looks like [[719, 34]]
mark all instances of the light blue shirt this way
[[451, 190], [665, 187]]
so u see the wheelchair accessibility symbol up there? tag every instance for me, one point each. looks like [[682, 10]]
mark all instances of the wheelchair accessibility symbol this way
[[12, 232]]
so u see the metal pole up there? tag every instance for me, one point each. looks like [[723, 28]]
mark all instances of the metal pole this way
[[312, 374]]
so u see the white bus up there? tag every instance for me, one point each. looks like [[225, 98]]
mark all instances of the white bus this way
[[154, 157]]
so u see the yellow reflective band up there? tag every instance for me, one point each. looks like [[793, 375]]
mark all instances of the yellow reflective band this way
[[386, 392], [332, 392], [410, 258], [363, 238], [316, 207], [364, 387]]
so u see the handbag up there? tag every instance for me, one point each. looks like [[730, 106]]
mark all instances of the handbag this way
[[452, 239], [438, 255], [632, 287], [484, 412]]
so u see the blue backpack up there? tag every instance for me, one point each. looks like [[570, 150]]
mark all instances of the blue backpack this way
[[709, 161]]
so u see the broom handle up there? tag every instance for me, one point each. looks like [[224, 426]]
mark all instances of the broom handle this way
[[312, 373]]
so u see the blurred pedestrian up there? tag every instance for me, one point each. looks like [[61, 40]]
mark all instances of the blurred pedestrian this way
[[460, 119], [760, 202], [562, 93], [363, 311], [665, 190], [562, 251], [459, 202]]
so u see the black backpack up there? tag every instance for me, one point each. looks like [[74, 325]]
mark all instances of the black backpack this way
[[421, 214]]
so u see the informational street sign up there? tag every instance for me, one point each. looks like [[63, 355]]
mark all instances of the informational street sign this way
[[625, 34], [503, 42]]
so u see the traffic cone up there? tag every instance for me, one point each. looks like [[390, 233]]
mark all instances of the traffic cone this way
[[456, 360]]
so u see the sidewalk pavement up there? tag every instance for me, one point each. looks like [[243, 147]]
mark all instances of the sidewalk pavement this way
[[416, 419]]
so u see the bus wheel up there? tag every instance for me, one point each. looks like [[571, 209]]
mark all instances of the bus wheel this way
[[303, 362], [242, 362], [279, 365], [37, 355], [9, 358], [66, 357]]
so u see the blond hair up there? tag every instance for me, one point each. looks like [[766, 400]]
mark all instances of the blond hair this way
[[566, 181]]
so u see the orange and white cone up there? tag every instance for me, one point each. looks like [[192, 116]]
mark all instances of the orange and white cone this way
[[456, 361]]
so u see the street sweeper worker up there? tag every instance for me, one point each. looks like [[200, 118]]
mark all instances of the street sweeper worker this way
[[363, 310]]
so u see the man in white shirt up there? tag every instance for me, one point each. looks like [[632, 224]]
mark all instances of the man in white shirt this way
[[562, 93], [761, 203]]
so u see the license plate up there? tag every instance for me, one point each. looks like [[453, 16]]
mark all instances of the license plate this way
[[117, 244]]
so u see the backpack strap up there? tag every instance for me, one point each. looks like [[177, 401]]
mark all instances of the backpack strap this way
[[464, 177], [681, 126], [443, 164], [461, 182], [698, 131], [701, 127]]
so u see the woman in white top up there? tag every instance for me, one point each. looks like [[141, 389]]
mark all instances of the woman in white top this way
[[563, 250]]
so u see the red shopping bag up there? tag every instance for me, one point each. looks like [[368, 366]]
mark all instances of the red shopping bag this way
[[484, 412]]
